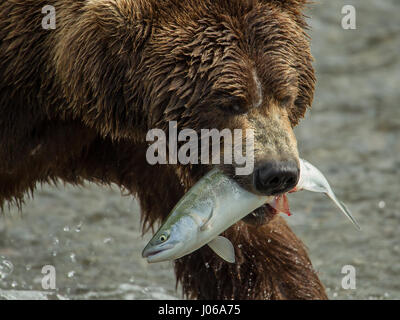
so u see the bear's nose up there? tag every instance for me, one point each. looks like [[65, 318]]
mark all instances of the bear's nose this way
[[276, 177]]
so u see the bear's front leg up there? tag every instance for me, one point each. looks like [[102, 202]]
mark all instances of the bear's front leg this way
[[271, 263]]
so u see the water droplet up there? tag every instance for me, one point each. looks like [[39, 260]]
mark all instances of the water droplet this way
[[386, 295], [207, 265], [239, 245], [66, 229], [23, 284], [132, 279], [381, 204], [14, 284], [73, 257], [269, 240], [71, 274], [28, 267], [78, 228], [107, 240], [56, 242], [335, 294]]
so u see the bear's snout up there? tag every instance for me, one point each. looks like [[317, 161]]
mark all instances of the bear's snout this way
[[276, 177]]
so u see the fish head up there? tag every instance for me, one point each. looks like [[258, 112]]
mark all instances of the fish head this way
[[171, 241]]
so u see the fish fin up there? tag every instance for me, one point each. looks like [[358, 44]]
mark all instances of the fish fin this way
[[223, 248], [197, 219], [344, 209], [206, 224]]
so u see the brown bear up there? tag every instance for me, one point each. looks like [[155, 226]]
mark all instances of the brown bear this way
[[77, 101]]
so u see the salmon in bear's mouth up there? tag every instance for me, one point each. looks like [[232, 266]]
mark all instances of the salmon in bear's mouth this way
[[215, 203]]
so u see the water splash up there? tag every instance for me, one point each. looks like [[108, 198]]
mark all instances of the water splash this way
[[6, 267], [78, 228]]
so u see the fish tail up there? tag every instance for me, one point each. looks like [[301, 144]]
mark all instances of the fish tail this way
[[344, 209]]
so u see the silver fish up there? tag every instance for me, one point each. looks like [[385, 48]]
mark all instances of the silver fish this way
[[211, 206]]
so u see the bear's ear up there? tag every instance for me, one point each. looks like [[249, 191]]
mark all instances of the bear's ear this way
[[124, 19], [293, 6], [96, 50], [288, 3]]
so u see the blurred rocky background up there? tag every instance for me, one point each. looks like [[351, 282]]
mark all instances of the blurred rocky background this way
[[91, 235]]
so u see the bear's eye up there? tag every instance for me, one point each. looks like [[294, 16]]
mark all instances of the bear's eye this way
[[286, 101], [234, 108], [229, 103]]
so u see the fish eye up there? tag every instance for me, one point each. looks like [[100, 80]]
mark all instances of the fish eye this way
[[163, 238]]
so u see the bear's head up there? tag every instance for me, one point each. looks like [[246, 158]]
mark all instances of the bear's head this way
[[234, 65], [209, 64]]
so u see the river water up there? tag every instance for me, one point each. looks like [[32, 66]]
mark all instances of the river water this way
[[91, 235]]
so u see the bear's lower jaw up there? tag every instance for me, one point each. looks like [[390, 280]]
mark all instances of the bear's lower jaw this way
[[260, 216]]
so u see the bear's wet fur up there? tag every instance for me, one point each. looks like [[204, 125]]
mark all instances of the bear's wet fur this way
[[77, 102]]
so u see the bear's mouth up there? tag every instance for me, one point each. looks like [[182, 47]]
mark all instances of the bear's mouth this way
[[268, 211], [261, 215], [265, 209]]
